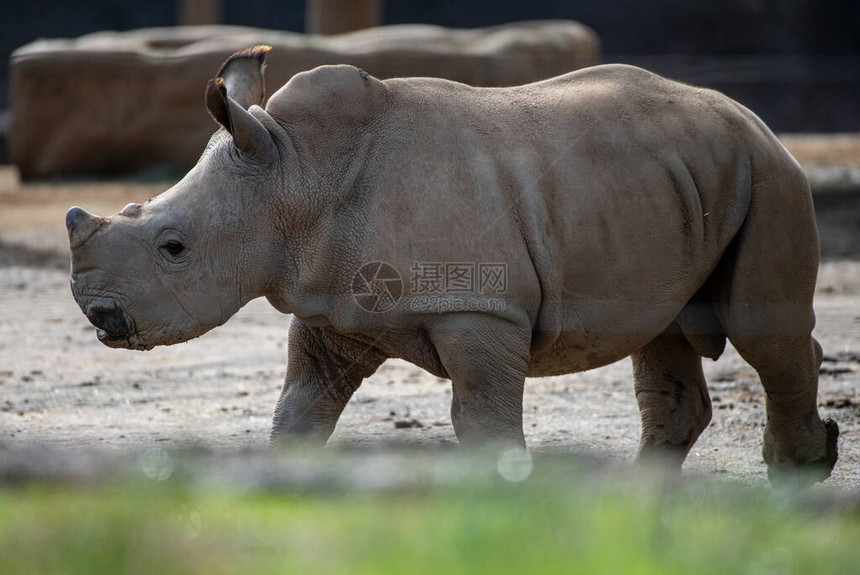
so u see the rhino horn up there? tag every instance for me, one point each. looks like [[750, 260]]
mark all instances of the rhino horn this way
[[243, 74], [81, 225]]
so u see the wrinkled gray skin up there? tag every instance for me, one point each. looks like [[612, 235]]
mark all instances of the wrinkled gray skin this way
[[636, 216]]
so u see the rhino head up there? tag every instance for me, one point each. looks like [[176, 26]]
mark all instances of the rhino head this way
[[182, 263]]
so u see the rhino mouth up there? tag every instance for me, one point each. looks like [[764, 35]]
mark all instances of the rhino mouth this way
[[114, 340], [122, 341], [114, 327]]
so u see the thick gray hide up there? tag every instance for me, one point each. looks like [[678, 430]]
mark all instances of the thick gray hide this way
[[632, 215]]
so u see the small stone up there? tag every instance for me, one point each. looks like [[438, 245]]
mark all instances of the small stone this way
[[407, 424]]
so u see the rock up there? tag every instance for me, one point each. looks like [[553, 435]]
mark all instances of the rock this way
[[110, 102]]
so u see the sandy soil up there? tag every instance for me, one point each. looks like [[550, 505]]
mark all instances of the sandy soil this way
[[60, 386]]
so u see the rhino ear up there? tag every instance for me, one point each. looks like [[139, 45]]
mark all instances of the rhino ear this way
[[239, 85], [244, 76], [249, 135]]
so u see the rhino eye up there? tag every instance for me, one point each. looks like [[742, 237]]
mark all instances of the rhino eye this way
[[174, 248]]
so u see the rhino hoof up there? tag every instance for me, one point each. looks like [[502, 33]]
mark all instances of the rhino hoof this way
[[809, 472]]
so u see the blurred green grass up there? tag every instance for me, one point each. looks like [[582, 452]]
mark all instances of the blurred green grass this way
[[554, 522]]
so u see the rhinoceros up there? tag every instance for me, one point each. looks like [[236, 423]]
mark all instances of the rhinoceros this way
[[485, 235]]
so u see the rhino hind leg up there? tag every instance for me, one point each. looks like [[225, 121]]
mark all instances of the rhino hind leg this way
[[763, 290], [796, 439], [672, 395]]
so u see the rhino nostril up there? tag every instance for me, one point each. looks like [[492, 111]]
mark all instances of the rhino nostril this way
[[109, 318]]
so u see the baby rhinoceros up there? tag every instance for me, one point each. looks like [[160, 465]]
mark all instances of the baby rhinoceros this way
[[485, 235]]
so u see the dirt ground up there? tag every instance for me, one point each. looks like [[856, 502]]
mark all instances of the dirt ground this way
[[59, 385]]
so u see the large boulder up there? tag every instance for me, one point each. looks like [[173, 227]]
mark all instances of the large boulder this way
[[109, 103]]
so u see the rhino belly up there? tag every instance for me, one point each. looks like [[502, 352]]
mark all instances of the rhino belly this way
[[598, 333]]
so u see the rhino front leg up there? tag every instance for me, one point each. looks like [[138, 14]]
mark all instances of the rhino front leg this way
[[672, 395], [323, 371], [486, 359]]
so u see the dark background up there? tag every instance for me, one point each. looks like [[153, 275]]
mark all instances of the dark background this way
[[795, 62]]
